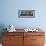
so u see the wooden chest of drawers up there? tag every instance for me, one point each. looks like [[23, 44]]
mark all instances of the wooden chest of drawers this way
[[23, 39]]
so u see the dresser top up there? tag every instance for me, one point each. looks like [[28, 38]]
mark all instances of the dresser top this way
[[22, 30]]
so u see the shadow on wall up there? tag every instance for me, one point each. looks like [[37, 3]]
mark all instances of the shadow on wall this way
[[2, 26]]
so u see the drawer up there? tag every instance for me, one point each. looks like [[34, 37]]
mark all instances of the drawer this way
[[14, 44], [13, 33], [12, 38], [8, 45], [37, 44], [34, 33], [37, 39]]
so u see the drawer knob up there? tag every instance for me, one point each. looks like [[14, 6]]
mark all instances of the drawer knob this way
[[33, 39], [11, 38]]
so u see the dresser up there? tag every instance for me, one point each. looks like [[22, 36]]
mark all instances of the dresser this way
[[23, 38]]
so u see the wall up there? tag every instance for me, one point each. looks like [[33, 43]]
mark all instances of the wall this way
[[9, 13]]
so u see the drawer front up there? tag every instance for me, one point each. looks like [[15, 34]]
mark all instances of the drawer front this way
[[12, 39], [34, 33], [13, 33], [37, 39], [12, 44], [37, 45]]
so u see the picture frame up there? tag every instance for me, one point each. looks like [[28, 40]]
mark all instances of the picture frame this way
[[26, 13]]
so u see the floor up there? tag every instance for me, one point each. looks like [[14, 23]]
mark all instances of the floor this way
[[0, 44]]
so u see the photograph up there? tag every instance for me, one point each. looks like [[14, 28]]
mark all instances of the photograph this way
[[26, 13]]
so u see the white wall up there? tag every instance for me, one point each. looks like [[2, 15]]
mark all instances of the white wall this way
[[9, 14]]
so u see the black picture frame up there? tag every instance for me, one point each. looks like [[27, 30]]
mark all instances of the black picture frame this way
[[26, 13]]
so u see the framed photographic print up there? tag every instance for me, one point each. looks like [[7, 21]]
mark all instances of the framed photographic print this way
[[26, 13]]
